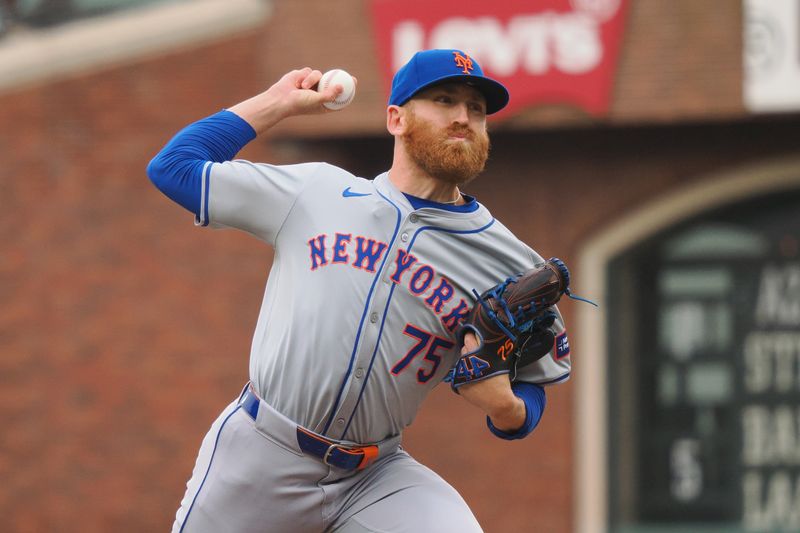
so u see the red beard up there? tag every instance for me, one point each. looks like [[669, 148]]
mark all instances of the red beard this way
[[453, 162]]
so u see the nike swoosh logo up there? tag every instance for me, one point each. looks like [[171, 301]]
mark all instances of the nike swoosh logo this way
[[347, 193]]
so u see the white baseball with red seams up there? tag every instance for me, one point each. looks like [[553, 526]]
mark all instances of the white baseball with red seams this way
[[338, 77]]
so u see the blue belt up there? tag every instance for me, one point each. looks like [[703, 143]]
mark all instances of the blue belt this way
[[330, 452]]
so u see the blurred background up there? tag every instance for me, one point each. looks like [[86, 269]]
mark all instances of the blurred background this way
[[654, 145]]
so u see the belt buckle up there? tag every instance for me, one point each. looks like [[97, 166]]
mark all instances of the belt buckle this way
[[368, 454], [328, 453]]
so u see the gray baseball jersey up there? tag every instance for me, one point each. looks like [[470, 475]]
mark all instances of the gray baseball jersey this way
[[358, 318]]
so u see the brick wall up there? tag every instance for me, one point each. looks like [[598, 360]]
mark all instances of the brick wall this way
[[123, 330]]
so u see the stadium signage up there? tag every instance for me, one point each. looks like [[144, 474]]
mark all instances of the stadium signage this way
[[545, 52]]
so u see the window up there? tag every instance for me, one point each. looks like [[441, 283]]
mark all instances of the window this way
[[704, 369]]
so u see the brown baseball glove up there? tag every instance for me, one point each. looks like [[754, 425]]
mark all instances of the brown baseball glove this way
[[512, 322]]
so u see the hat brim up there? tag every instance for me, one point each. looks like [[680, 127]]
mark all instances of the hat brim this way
[[495, 93]]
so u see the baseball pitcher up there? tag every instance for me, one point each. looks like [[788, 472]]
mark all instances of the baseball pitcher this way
[[380, 290]]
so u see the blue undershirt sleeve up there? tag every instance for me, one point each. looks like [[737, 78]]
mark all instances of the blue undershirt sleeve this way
[[177, 169], [535, 400]]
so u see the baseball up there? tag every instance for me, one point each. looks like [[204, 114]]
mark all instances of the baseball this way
[[338, 77]]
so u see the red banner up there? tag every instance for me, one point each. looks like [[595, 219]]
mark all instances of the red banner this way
[[543, 51]]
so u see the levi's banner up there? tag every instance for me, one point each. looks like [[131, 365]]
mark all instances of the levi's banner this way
[[543, 51]]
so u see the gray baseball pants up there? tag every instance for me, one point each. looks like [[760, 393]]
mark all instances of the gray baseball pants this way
[[252, 476]]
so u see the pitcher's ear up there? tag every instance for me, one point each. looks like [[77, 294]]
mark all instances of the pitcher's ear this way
[[396, 119]]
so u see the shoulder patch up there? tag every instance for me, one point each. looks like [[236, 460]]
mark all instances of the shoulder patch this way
[[562, 346]]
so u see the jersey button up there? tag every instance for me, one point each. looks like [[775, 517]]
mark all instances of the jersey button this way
[[373, 317], [359, 372], [413, 218], [404, 237], [340, 421]]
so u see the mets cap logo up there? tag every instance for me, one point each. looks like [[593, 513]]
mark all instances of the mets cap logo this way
[[463, 62]]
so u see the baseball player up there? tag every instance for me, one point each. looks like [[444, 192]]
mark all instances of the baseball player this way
[[360, 316]]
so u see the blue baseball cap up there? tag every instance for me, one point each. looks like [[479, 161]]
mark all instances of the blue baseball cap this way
[[431, 67]]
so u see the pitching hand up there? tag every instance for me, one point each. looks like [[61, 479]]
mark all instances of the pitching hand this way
[[293, 95]]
